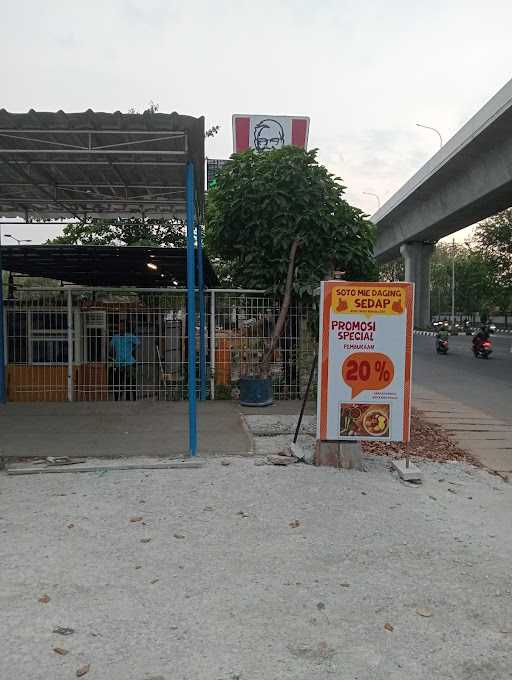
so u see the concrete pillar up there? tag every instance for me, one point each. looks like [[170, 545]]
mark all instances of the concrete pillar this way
[[417, 258]]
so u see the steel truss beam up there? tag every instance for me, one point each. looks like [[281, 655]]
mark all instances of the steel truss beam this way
[[144, 137], [156, 164]]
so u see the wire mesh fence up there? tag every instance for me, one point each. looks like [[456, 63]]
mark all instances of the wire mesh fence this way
[[244, 323], [100, 344]]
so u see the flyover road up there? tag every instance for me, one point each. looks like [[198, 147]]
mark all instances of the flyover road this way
[[484, 385]]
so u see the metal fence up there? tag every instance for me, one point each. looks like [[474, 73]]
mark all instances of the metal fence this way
[[101, 344]]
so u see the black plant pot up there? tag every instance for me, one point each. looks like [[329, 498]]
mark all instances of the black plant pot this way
[[255, 391]]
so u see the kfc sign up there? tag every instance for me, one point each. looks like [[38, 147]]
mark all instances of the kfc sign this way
[[264, 133]]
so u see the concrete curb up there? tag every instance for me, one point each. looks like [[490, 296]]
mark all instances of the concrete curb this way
[[248, 434], [500, 331]]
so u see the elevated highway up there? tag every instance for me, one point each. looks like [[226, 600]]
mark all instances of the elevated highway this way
[[467, 180]]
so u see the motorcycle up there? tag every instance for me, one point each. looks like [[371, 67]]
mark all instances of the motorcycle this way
[[482, 349], [441, 346]]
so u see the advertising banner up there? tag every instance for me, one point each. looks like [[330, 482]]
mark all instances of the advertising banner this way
[[264, 133], [364, 377]]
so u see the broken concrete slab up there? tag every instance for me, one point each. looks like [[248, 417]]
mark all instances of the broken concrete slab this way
[[273, 425], [410, 473], [345, 455], [280, 444], [304, 449], [281, 460], [104, 466]]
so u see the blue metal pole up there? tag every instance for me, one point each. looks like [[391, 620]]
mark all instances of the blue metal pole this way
[[202, 315], [191, 312], [2, 332]]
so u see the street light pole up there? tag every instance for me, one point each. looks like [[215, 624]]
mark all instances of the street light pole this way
[[453, 284], [2, 330], [369, 193], [428, 127]]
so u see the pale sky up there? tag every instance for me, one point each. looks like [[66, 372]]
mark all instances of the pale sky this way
[[364, 72]]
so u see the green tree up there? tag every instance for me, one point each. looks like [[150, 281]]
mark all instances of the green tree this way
[[280, 221], [263, 203], [493, 238], [392, 271], [131, 231], [473, 278]]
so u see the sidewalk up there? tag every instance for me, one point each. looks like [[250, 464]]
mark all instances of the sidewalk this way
[[107, 429], [112, 429], [487, 439]]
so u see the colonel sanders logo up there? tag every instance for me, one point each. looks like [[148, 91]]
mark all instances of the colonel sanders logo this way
[[268, 134]]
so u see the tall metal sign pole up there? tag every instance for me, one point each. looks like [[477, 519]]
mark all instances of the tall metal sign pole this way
[[191, 312], [202, 316], [2, 331], [453, 284]]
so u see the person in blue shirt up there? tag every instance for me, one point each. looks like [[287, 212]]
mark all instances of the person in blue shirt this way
[[123, 347]]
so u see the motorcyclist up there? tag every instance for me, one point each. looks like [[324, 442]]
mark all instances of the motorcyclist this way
[[441, 336], [482, 335]]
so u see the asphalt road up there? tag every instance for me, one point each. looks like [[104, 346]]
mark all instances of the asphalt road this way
[[485, 384]]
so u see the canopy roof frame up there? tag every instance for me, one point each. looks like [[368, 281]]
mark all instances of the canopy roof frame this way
[[86, 165], [55, 156]]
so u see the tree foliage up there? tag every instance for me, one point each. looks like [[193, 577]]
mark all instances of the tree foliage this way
[[263, 202], [132, 231], [474, 283], [472, 280], [392, 271], [494, 239]]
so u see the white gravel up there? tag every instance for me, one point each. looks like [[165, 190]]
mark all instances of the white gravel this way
[[250, 597]]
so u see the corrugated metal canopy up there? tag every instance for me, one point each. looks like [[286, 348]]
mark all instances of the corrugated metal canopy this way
[[104, 265], [62, 165]]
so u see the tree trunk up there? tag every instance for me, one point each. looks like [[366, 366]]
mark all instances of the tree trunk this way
[[278, 328]]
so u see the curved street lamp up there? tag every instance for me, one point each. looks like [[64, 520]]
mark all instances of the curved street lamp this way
[[370, 193], [427, 127]]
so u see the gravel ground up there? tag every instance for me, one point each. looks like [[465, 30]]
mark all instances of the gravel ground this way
[[274, 434], [321, 576]]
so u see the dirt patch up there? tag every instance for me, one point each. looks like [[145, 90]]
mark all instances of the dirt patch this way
[[427, 441]]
